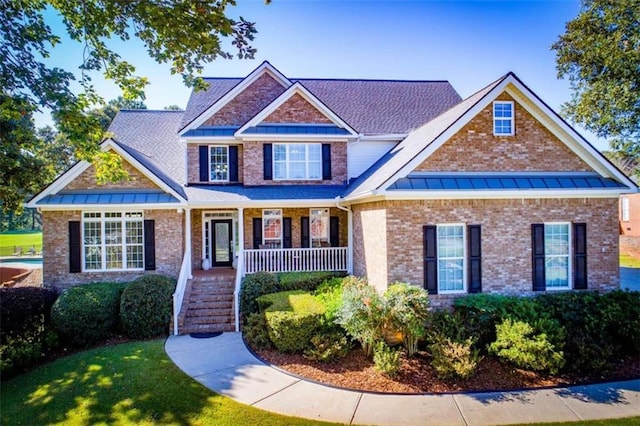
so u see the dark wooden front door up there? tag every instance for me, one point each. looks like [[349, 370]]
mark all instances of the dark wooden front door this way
[[221, 251]]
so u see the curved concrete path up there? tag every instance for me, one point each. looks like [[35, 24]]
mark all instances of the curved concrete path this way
[[225, 365]]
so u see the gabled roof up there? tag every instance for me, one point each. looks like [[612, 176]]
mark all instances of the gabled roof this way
[[421, 143]]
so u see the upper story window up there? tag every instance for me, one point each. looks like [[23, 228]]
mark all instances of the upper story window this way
[[112, 241], [219, 163], [272, 228], [451, 258], [625, 209], [297, 161], [503, 124], [319, 224]]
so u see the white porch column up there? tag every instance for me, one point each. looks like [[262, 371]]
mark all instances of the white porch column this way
[[240, 266], [350, 241], [187, 239]]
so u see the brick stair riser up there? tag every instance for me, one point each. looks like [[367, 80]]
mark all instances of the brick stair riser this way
[[218, 319], [219, 304]]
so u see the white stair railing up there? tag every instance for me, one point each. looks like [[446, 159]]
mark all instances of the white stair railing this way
[[178, 295]]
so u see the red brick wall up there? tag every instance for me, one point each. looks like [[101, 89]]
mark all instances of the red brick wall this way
[[254, 161], [297, 110], [506, 238], [87, 180], [168, 239], [247, 103], [475, 148], [631, 227]]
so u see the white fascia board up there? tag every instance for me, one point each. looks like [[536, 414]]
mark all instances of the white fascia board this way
[[499, 195], [112, 207], [391, 137], [265, 67], [565, 133], [296, 88], [198, 140], [263, 203], [295, 138]]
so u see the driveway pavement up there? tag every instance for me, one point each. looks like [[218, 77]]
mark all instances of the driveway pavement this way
[[630, 278]]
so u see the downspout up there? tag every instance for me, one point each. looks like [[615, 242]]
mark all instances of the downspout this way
[[349, 235]]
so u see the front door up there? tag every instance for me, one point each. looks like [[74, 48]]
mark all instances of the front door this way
[[221, 252]]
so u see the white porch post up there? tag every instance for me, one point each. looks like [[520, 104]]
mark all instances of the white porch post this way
[[240, 266], [349, 242], [187, 239]]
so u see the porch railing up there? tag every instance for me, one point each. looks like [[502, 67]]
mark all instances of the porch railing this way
[[181, 286], [295, 260]]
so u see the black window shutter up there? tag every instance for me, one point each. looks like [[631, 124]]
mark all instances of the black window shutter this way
[[204, 163], [326, 161], [233, 163], [257, 232], [334, 231], [304, 232], [580, 256], [475, 259], [537, 252], [267, 150], [286, 232], [75, 247], [149, 245], [430, 258]]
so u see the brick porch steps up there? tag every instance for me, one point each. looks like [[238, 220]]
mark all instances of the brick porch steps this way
[[208, 305]]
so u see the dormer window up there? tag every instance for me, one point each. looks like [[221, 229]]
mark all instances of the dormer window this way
[[503, 118]]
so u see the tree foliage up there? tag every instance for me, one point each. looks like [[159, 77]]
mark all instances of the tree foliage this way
[[600, 55], [186, 34]]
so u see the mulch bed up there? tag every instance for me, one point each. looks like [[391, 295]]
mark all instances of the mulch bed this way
[[358, 372]]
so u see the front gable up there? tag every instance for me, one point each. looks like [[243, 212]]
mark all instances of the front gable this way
[[87, 180], [297, 110], [532, 147]]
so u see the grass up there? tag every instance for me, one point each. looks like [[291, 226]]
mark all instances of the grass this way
[[628, 261], [24, 239], [128, 384]]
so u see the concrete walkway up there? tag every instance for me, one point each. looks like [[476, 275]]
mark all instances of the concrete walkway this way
[[224, 365]]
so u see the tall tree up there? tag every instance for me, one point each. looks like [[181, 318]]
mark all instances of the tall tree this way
[[600, 55], [186, 34], [106, 113]]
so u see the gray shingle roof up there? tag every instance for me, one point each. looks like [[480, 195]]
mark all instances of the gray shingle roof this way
[[368, 106], [151, 137]]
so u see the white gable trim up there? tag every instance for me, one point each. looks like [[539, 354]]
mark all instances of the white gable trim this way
[[78, 168], [297, 88], [265, 67], [571, 138]]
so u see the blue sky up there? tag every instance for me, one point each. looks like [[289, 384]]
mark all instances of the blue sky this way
[[469, 43]]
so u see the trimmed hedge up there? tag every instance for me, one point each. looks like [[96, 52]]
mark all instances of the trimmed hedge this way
[[146, 306], [308, 281], [87, 314], [26, 334]]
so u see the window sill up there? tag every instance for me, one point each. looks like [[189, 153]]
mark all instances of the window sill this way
[[90, 271]]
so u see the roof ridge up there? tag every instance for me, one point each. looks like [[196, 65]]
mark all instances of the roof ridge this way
[[382, 80], [148, 110]]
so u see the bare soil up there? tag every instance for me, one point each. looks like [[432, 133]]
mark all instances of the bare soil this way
[[358, 372]]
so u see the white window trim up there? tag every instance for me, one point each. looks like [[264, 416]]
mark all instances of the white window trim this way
[[103, 245], [569, 256], [287, 162], [464, 258], [512, 119], [211, 165], [625, 209], [325, 213], [264, 241]]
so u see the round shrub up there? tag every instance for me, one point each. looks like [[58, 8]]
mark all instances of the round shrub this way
[[254, 286], [87, 314], [146, 306]]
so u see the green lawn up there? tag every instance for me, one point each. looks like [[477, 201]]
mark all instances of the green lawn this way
[[628, 261], [133, 384], [24, 239]]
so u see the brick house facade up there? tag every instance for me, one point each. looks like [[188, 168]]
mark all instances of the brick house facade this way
[[493, 193]]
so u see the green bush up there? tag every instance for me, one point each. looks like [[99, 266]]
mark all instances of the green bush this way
[[329, 293], [255, 332], [386, 359], [87, 314], [308, 281], [454, 359], [26, 334], [444, 324], [293, 318], [254, 286], [518, 343], [407, 310], [328, 346], [146, 306], [361, 313]]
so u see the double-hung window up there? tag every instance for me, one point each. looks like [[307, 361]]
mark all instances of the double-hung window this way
[[272, 228], [319, 227], [451, 258], [219, 163], [113, 241], [297, 161], [557, 247], [503, 118]]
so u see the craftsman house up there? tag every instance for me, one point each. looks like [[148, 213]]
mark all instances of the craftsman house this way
[[390, 180]]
